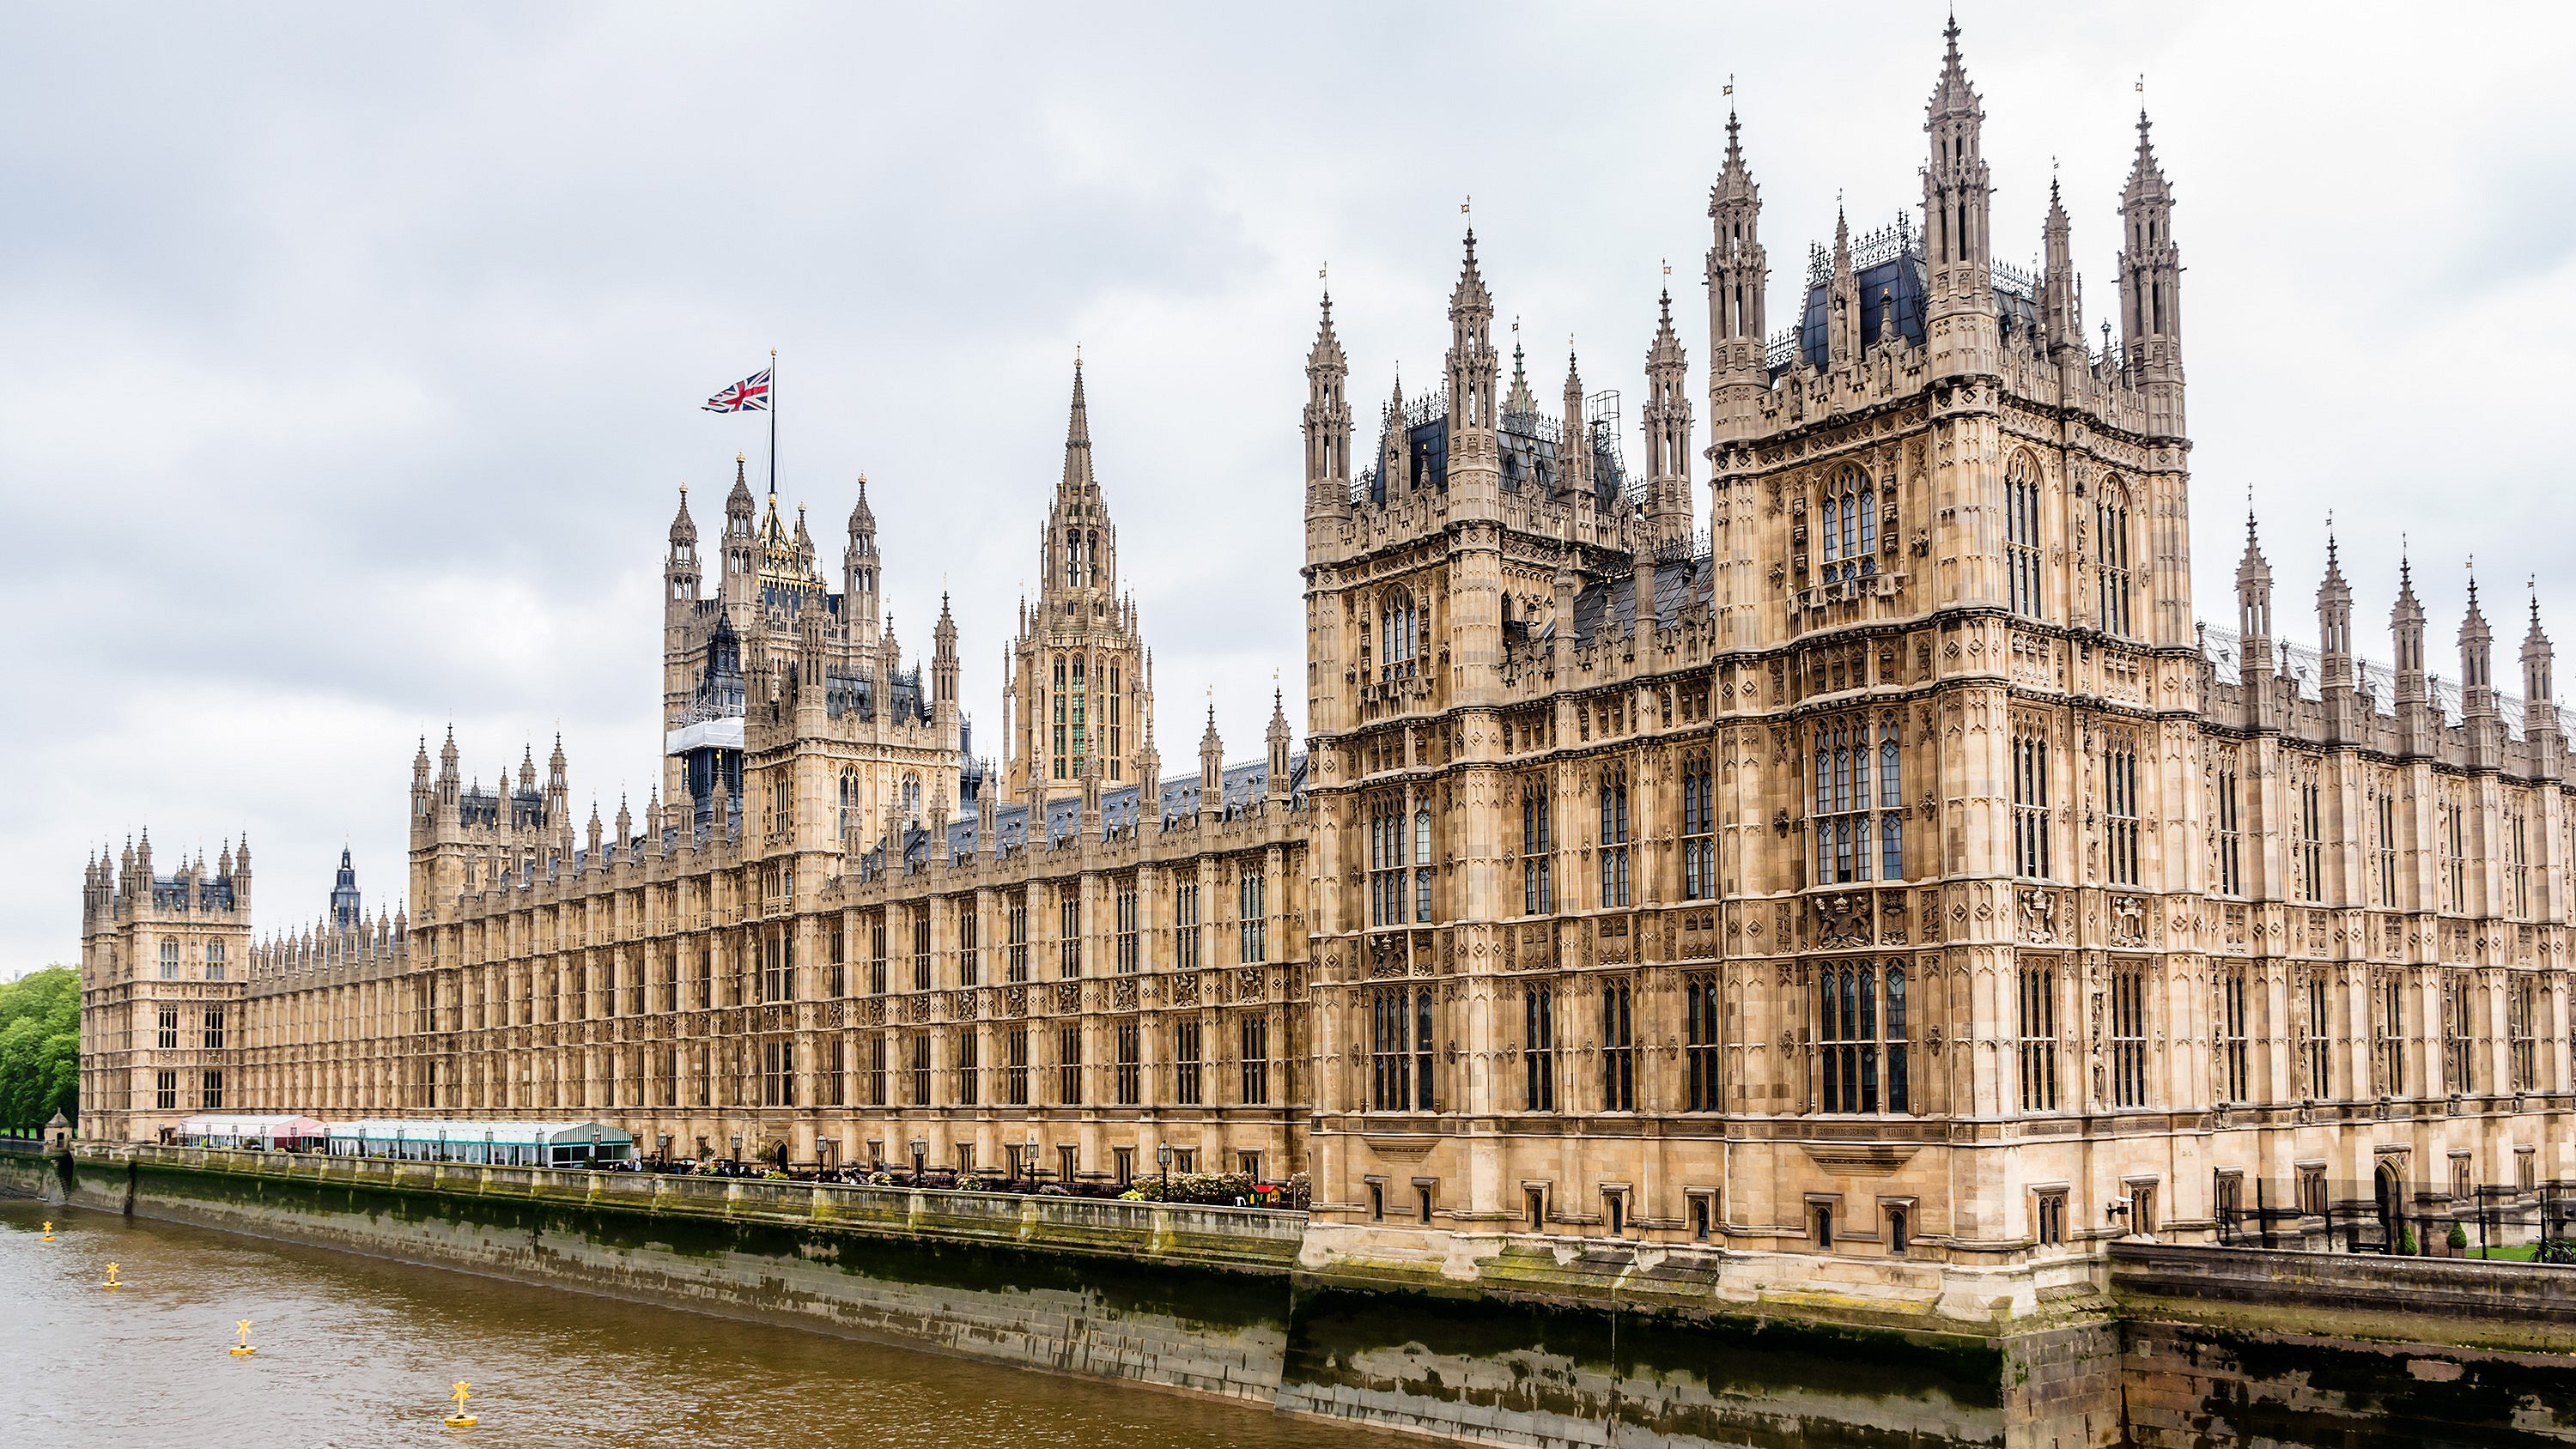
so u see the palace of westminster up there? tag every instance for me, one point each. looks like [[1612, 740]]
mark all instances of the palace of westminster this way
[[1887, 864]]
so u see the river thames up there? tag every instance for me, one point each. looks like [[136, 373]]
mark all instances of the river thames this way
[[357, 1351]]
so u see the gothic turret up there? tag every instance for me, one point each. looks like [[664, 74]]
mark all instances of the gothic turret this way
[[859, 580], [1842, 300], [1737, 272], [2254, 659], [2337, 678], [680, 568], [1959, 319], [347, 912], [1211, 769], [1278, 740], [2151, 289], [1668, 435], [1474, 372], [1575, 452], [1328, 424], [943, 665], [2064, 330], [2539, 701], [2477, 685], [741, 564]]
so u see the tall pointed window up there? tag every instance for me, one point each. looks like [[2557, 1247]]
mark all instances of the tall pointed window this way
[[1538, 1046], [1113, 715], [2229, 838], [2235, 1068], [2390, 1026], [2454, 840], [1386, 860], [2111, 522], [1080, 749], [1847, 531], [2316, 1047], [1401, 1045], [2030, 803], [2129, 1034], [1614, 838], [1860, 1031], [2120, 801], [1618, 1046], [2039, 1036], [1699, 828], [1060, 740], [2384, 843], [1702, 1048], [2021, 536], [1537, 898]]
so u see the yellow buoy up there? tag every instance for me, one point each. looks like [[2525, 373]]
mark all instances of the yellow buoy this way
[[460, 1419], [242, 1348], [111, 1278], [49, 1232]]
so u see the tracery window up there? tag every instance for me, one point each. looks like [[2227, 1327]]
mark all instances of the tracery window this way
[[1185, 916], [2307, 840], [1699, 828], [2129, 1035], [2038, 1026], [2111, 523], [1386, 860], [2521, 1009], [1401, 1043], [1255, 1036], [2120, 808], [1701, 1042], [1847, 527], [1129, 957], [2517, 862], [2230, 833], [2384, 843], [1113, 713], [1185, 1063], [2391, 1032], [2234, 1067], [1618, 1047], [2316, 1047], [1538, 1046], [1058, 696], [2031, 811], [1537, 896], [1069, 938], [2454, 840], [1080, 730], [2464, 1031], [1252, 916], [1614, 837], [1860, 1031], [1399, 634], [2021, 536], [1130, 1072], [1068, 1064], [1015, 919]]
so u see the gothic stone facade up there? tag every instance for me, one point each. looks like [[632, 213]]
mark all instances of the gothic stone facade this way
[[1894, 869]]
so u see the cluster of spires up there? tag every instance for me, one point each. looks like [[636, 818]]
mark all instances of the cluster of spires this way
[[2341, 674]]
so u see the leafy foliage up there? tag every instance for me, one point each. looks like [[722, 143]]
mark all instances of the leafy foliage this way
[[39, 1048]]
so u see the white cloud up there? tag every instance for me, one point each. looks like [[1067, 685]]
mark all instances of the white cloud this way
[[354, 354]]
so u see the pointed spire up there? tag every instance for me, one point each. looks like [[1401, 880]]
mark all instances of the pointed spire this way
[[738, 503], [684, 530], [1327, 351], [1952, 94], [1470, 293], [1519, 399], [1078, 476], [863, 519]]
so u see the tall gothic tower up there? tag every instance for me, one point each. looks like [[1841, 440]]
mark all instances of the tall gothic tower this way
[[1081, 682]]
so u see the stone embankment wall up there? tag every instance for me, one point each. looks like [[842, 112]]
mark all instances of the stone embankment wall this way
[[1496, 1340], [2241, 1346]]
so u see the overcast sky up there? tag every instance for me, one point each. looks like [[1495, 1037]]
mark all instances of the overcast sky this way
[[352, 354]]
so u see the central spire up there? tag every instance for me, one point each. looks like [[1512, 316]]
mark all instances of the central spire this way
[[1077, 437]]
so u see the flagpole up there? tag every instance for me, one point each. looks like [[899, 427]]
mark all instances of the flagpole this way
[[773, 422]]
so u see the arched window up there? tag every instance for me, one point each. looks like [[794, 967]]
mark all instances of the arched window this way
[[849, 812], [1422, 864], [1400, 633], [2021, 535], [1073, 558], [1614, 838], [1860, 1028], [1059, 718], [2111, 521], [1847, 527]]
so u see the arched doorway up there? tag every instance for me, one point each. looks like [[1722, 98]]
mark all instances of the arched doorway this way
[[2388, 1194]]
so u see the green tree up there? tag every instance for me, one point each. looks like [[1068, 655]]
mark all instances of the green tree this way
[[39, 1048]]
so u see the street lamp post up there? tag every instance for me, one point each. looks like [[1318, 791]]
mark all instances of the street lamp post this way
[[1033, 1160], [1163, 1155], [920, 1156]]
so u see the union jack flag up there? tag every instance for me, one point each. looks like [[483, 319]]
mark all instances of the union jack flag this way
[[751, 395]]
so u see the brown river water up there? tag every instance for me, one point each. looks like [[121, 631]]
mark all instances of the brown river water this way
[[357, 1351]]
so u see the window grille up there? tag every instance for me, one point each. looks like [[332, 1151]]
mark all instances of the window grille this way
[[1185, 1063], [1703, 1047], [1699, 828], [2022, 536], [2234, 1068], [2129, 1035], [2111, 524], [1614, 838], [1401, 1046], [2120, 802], [1538, 1047], [1256, 1060], [1618, 1048], [2031, 819], [1537, 897], [2038, 1036]]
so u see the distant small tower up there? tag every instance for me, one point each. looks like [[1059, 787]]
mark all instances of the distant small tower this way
[[1668, 435], [1211, 769], [1328, 426], [2338, 677], [1959, 320], [2151, 289], [859, 579], [1279, 740], [346, 911], [2539, 703], [2254, 660], [1737, 274]]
